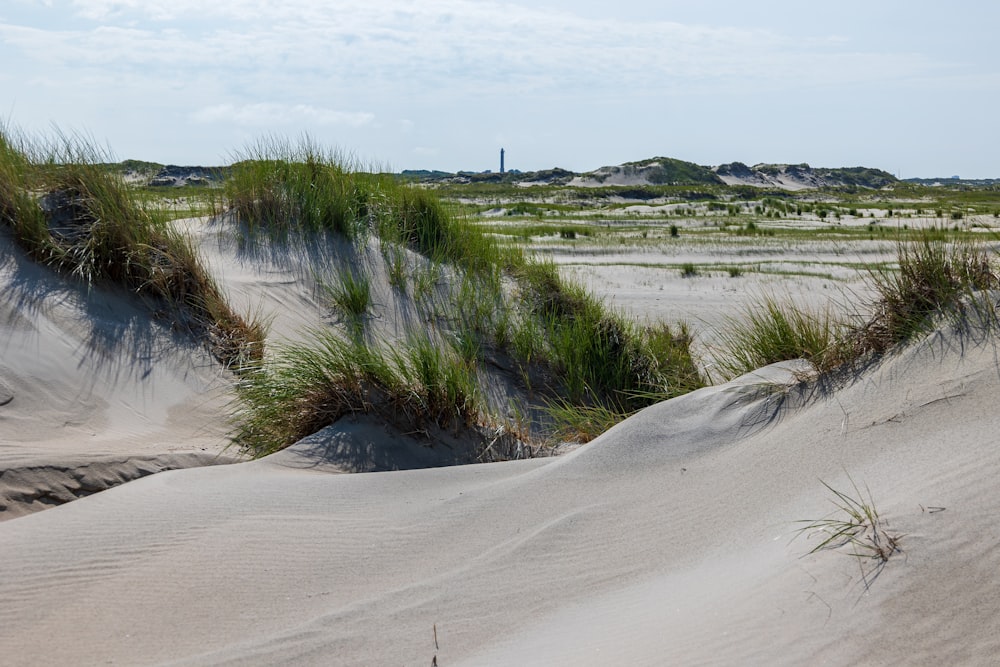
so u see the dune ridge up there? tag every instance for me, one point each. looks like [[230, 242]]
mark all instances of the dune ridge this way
[[673, 538], [668, 540]]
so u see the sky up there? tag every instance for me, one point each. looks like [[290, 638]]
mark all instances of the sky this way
[[910, 87]]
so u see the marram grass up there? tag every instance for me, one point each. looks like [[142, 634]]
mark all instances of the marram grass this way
[[932, 278], [69, 211], [278, 188], [351, 294], [304, 387], [769, 331], [604, 365]]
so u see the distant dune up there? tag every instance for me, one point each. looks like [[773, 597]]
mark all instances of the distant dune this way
[[650, 172], [802, 176]]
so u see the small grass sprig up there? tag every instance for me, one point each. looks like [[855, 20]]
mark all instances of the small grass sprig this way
[[351, 294], [858, 524]]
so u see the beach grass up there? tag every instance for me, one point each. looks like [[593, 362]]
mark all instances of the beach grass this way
[[351, 293], [855, 523], [279, 188], [604, 365], [69, 211], [931, 278], [770, 330], [491, 297], [303, 387]]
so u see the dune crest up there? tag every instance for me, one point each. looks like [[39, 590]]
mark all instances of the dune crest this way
[[669, 540]]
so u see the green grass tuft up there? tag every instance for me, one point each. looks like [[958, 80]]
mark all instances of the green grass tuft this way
[[933, 278], [305, 387], [68, 210], [396, 265], [279, 189], [351, 294], [602, 362], [769, 331]]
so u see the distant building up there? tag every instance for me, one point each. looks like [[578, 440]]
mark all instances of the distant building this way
[[501, 161]]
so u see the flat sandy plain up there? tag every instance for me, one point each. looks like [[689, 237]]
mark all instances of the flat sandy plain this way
[[671, 539]]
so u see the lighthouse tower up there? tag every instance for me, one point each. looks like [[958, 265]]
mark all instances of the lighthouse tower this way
[[501, 160]]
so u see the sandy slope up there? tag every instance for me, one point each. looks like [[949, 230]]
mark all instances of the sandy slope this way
[[665, 541], [93, 391]]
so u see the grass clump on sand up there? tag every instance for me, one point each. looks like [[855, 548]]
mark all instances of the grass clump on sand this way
[[67, 210], [598, 367], [769, 331], [306, 387], [492, 303], [351, 294], [932, 278], [605, 365], [18, 178], [688, 270], [857, 523], [277, 188]]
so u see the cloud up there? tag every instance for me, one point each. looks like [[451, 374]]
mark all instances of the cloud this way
[[275, 115], [470, 48], [465, 70]]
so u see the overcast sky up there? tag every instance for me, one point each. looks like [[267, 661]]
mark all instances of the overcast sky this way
[[911, 87]]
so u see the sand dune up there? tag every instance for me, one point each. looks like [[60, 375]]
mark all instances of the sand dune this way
[[94, 390], [666, 541], [671, 539]]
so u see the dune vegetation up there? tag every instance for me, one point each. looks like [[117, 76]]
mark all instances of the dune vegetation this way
[[585, 365], [67, 210], [568, 353], [491, 310], [930, 279]]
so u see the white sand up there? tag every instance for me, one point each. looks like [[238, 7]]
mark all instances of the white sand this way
[[93, 391], [666, 541]]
